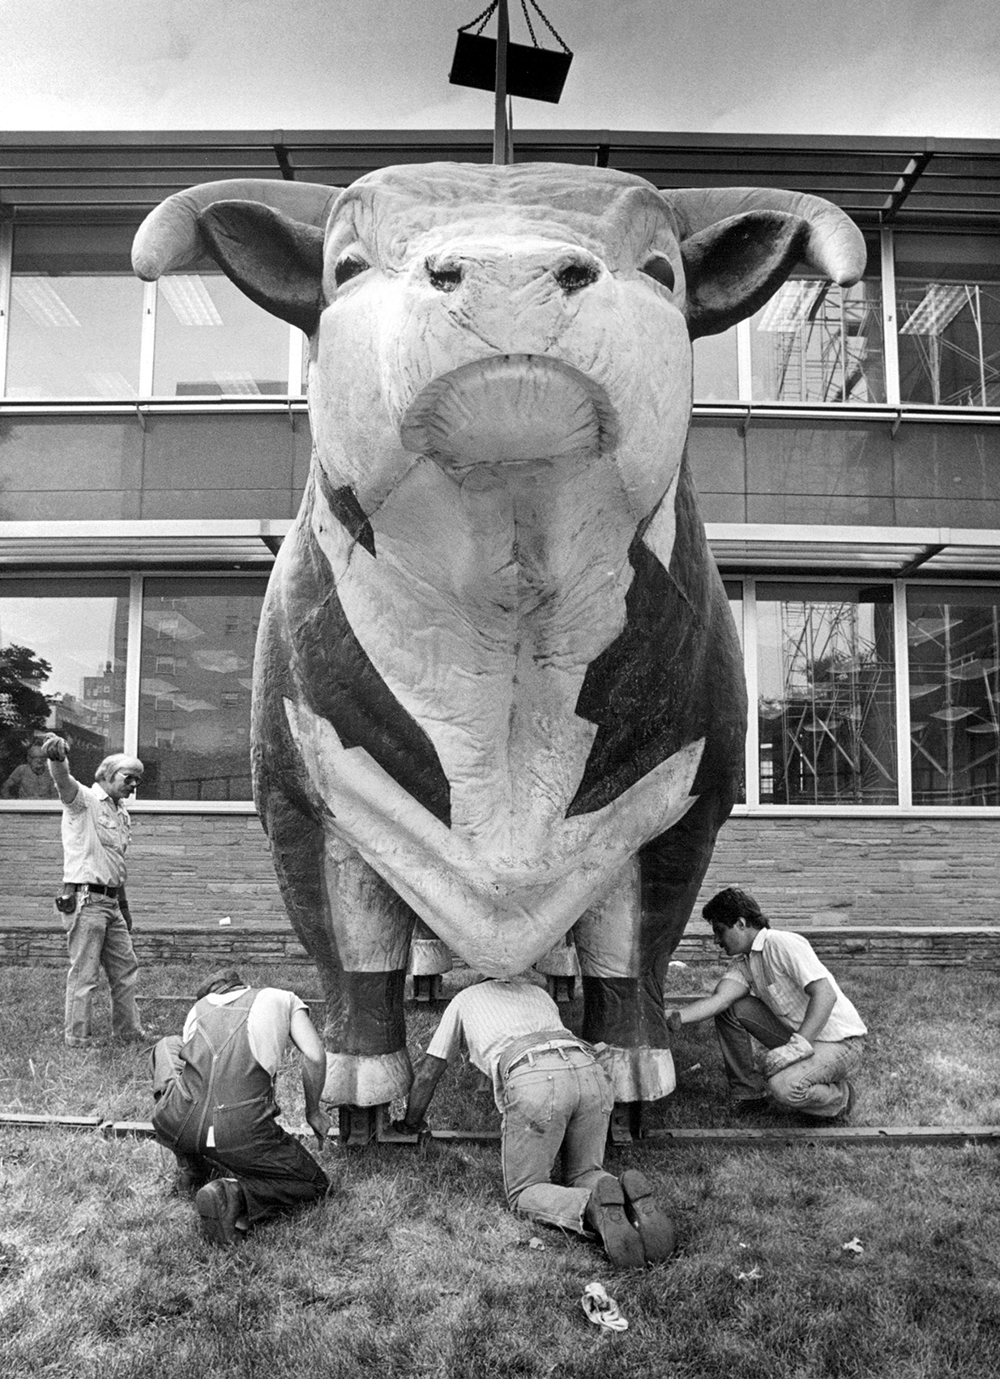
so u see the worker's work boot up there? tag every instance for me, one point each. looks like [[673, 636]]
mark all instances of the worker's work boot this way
[[655, 1228], [219, 1204], [605, 1215]]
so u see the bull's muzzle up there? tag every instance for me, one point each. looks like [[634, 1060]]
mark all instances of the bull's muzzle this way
[[512, 407]]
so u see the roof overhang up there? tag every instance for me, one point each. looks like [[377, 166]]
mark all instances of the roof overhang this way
[[852, 552], [917, 182]]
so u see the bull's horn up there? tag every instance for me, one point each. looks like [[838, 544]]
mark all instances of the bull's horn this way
[[169, 237], [835, 245]]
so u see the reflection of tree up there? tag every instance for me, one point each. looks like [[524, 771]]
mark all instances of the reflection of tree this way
[[23, 707]]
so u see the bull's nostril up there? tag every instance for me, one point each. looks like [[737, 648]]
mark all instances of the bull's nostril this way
[[444, 277], [574, 276]]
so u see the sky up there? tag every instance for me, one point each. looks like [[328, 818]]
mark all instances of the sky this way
[[922, 68]]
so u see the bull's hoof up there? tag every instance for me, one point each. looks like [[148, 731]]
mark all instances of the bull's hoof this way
[[427, 988], [358, 1125], [626, 1122], [643, 1074], [561, 989], [366, 1080]]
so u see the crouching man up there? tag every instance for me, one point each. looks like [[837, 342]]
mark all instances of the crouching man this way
[[777, 991], [215, 1106], [552, 1094]]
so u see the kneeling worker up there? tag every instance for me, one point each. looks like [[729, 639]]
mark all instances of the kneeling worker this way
[[215, 1106], [776, 990], [551, 1092]]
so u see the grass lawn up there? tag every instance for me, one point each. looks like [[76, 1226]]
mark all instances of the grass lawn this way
[[413, 1266]]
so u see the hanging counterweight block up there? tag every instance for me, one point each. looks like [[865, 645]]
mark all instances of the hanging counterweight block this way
[[537, 74]]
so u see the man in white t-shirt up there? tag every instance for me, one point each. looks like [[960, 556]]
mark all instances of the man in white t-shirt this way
[[777, 991], [553, 1095], [215, 1105], [95, 836]]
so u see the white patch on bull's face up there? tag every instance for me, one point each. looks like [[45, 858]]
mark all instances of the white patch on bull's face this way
[[499, 918]]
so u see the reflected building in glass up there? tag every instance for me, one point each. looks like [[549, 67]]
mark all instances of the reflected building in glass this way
[[845, 443]]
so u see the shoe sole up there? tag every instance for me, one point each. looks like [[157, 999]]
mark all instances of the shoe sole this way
[[655, 1228], [218, 1217], [622, 1242]]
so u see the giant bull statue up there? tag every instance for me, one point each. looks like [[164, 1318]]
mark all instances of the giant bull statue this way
[[497, 684]]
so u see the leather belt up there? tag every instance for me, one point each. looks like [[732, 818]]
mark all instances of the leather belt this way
[[96, 888], [531, 1054]]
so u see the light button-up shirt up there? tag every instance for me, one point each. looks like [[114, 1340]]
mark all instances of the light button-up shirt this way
[[95, 836]]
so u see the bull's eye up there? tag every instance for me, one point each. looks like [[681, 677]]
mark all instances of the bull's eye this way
[[573, 277], [349, 267], [658, 267], [443, 277]]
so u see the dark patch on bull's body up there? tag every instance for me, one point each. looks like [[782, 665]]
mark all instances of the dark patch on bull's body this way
[[343, 504], [673, 675], [335, 678]]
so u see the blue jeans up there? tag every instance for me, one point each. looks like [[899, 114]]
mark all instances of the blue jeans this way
[[559, 1099], [816, 1086], [96, 937]]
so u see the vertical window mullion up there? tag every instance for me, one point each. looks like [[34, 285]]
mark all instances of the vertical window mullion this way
[[903, 758], [6, 250], [890, 342], [752, 757], [133, 665], [744, 364], [294, 362], [147, 340]]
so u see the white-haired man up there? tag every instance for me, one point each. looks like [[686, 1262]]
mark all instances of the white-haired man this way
[[94, 909]]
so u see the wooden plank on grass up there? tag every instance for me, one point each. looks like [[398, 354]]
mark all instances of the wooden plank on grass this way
[[834, 1134], [69, 1122]]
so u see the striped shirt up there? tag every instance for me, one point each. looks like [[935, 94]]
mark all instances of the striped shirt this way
[[777, 970], [492, 1015], [95, 835]]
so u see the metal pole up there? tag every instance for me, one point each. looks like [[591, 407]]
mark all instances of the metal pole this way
[[501, 151]]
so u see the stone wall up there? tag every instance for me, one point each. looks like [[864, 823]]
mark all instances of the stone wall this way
[[191, 870]]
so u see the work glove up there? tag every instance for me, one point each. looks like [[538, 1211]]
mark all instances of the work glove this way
[[54, 747], [794, 1051], [674, 1023]]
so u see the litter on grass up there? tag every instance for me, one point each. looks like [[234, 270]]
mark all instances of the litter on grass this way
[[601, 1309], [853, 1247]]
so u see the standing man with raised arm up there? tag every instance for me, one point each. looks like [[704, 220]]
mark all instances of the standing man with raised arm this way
[[94, 910], [776, 990]]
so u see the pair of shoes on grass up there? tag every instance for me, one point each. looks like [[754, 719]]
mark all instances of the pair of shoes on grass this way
[[220, 1204], [632, 1228]]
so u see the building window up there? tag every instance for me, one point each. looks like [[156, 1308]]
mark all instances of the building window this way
[[817, 342], [190, 709], [62, 647], [826, 695], [953, 646], [948, 305], [716, 371], [75, 313], [212, 340]]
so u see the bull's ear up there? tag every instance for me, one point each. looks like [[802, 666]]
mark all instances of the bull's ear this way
[[277, 262], [734, 266]]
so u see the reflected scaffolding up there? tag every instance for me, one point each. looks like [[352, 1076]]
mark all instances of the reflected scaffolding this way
[[954, 661], [826, 708]]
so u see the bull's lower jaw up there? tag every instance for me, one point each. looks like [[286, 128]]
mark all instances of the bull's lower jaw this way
[[508, 409]]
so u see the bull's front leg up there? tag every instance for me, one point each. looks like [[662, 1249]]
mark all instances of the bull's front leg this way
[[357, 931], [621, 1008]]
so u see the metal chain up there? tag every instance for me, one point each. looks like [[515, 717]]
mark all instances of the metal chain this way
[[481, 19], [535, 6]]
